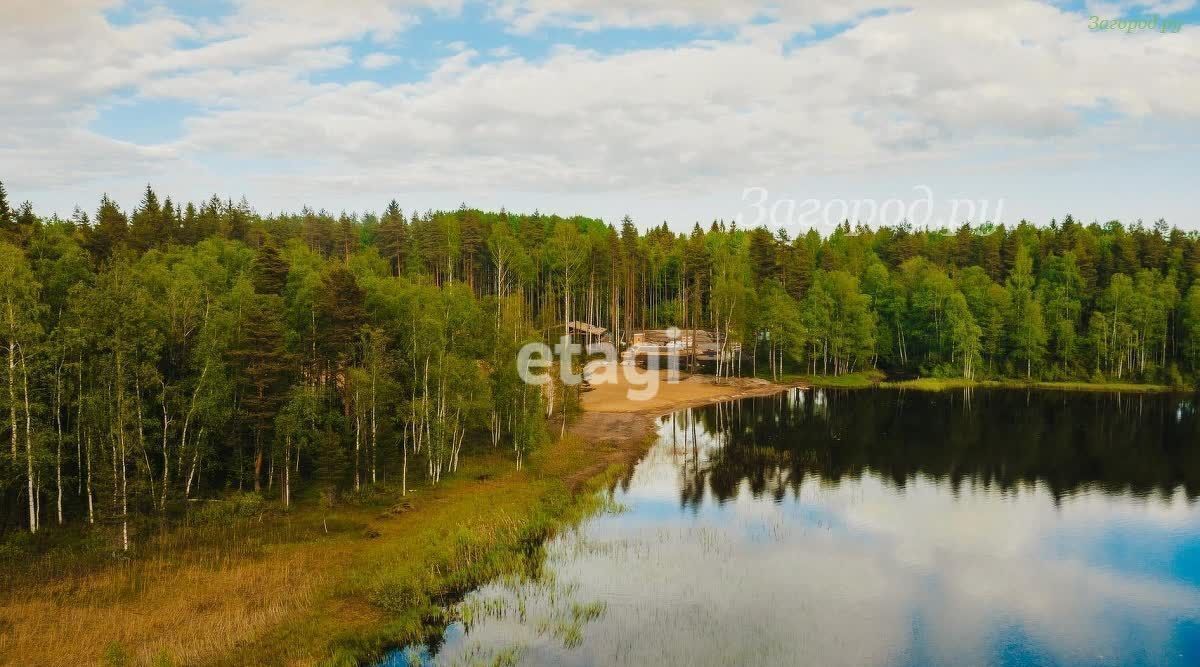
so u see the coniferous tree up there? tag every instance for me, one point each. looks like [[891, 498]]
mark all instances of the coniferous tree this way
[[264, 366], [146, 229], [270, 270], [7, 219], [27, 221], [155, 377], [236, 219], [341, 315], [394, 237], [109, 231]]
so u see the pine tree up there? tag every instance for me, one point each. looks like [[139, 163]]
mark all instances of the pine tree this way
[[27, 220], [264, 367], [346, 236], [109, 232], [189, 225], [237, 219], [211, 218], [341, 315], [170, 224], [146, 225], [470, 241], [7, 220], [270, 270], [394, 237], [762, 254]]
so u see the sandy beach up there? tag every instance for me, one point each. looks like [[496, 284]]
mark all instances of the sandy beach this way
[[611, 415], [688, 391]]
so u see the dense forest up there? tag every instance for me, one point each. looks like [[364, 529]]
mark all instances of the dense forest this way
[[178, 351]]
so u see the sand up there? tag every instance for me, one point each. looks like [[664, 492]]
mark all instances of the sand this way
[[624, 427], [690, 391]]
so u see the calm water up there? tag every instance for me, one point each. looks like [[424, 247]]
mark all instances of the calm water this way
[[875, 528]]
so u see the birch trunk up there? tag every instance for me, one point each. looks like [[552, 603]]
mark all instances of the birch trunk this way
[[374, 421], [33, 509], [91, 504], [357, 443], [58, 429], [166, 471], [12, 392]]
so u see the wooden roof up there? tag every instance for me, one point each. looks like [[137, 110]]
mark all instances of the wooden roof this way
[[583, 327]]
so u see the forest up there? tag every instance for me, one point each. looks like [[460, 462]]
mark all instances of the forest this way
[[176, 351]]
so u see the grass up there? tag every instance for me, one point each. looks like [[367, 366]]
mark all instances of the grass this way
[[860, 380], [943, 384], [1109, 386], [938, 384], [309, 586], [868, 379]]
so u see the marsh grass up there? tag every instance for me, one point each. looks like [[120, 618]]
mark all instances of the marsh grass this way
[[498, 545], [182, 594], [245, 582], [558, 614]]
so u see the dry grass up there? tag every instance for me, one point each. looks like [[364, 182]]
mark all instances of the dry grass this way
[[189, 594], [278, 590], [157, 612]]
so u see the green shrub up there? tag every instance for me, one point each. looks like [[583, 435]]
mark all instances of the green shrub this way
[[115, 655], [1173, 377], [229, 510]]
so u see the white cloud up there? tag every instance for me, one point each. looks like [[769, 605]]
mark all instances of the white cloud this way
[[848, 587], [934, 81], [891, 88], [529, 15], [379, 60], [1123, 8]]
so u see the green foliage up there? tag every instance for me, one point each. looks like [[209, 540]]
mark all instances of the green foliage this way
[[115, 655], [226, 511], [192, 350]]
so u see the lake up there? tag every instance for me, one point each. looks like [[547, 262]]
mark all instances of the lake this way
[[874, 527]]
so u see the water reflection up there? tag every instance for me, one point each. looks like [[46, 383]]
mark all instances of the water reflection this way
[[1000, 439], [878, 528]]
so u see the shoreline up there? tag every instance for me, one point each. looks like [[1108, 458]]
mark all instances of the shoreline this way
[[632, 427], [935, 384], [334, 586], [616, 440], [345, 585], [878, 380]]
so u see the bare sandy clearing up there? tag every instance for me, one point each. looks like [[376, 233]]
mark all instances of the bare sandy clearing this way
[[691, 390]]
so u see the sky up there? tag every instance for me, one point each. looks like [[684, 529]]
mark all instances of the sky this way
[[785, 113]]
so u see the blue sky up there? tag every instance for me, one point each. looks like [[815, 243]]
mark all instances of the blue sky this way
[[666, 112]]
